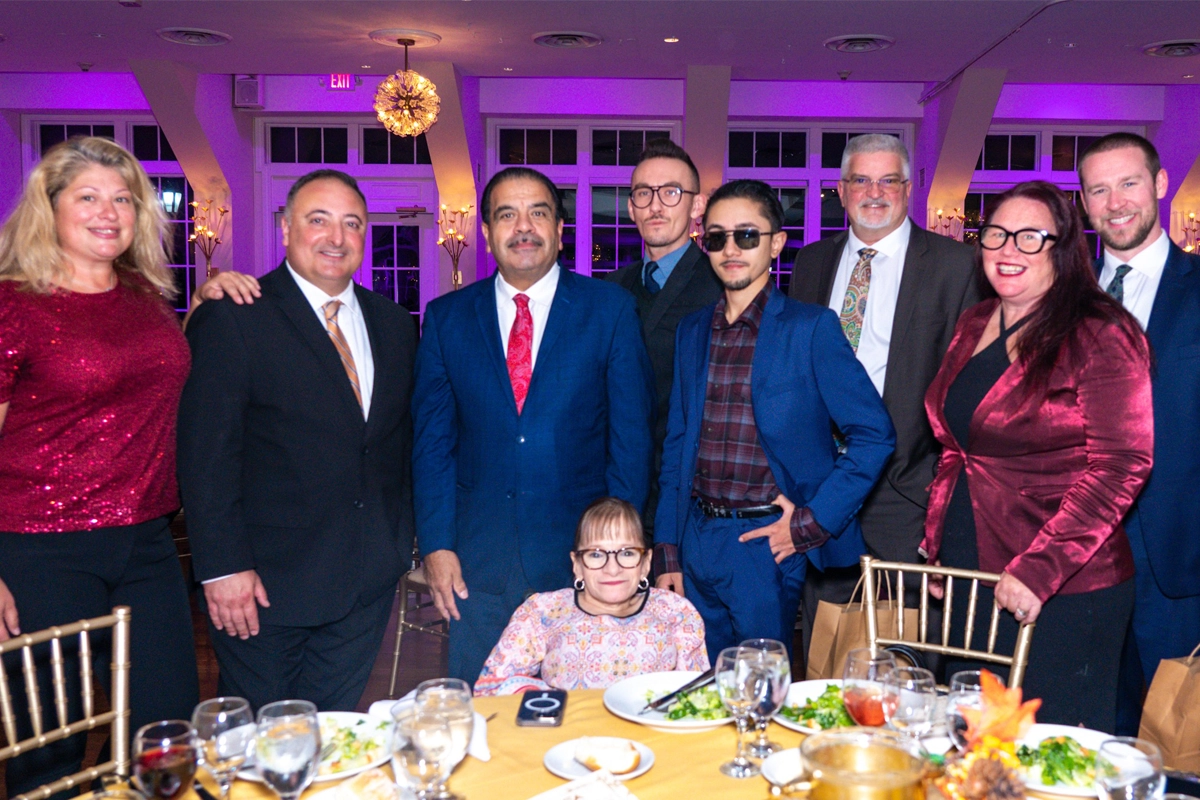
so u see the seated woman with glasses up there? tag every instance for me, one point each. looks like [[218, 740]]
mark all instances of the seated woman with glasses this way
[[1042, 408], [610, 626]]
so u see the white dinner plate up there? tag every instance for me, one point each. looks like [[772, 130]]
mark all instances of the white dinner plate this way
[[377, 729], [1085, 736], [800, 693], [560, 760], [627, 698], [783, 767]]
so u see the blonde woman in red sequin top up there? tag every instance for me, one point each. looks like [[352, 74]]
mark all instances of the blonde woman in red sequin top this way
[[92, 364]]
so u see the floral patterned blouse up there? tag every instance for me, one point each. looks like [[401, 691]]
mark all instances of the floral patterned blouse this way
[[551, 643]]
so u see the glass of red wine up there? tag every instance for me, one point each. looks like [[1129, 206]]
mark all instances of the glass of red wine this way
[[164, 759], [862, 684]]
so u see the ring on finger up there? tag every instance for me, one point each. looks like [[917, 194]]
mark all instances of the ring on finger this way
[[1022, 613]]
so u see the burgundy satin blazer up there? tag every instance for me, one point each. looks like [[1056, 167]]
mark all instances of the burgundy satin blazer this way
[[1051, 478]]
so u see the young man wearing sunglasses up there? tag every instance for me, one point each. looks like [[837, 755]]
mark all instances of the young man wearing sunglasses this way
[[753, 487]]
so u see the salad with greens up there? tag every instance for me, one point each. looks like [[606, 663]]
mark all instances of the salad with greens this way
[[1059, 761], [702, 703], [824, 711]]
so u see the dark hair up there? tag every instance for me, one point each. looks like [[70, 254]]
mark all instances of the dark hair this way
[[1118, 141], [665, 148], [609, 515], [1073, 297], [519, 173], [755, 191], [321, 175]]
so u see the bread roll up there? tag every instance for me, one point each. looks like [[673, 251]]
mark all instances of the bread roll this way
[[618, 756]]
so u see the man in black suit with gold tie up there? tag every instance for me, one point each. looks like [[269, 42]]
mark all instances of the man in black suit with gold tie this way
[[674, 278], [899, 291]]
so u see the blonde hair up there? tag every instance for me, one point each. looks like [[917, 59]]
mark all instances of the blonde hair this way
[[30, 253], [609, 516]]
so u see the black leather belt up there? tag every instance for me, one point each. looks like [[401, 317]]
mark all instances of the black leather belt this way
[[711, 509]]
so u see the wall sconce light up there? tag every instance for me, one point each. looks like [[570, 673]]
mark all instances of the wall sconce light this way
[[452, 235], [949, 225], [1190, 230]]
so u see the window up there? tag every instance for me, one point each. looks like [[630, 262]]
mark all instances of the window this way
[[622, 147], [150, 144], [396, 264], [1009, 152], [833, 145], [1066, 150], [381, 147], [538, 146], [615, 239], [50, 135], [833, 216], [567, 257], [770, 149], [175, 194], [309, 145], [792, 199]]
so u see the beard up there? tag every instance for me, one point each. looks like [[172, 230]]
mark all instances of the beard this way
[[1132, 239]]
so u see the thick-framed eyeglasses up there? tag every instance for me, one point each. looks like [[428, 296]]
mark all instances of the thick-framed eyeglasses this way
[[669, 195], [743, 239], [627, 557], [888, 185], [1029, 241]]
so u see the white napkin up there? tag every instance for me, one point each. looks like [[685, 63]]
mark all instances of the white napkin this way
[[600, 785], [478, 748]]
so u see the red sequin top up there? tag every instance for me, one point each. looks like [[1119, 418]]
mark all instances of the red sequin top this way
[[93, 384]]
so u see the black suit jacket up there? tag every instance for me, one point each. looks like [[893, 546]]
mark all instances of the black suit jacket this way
[[938, 284], [692, 285], [278, 469]]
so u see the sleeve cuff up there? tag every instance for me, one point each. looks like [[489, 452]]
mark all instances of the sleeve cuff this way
[[807, 533], [665, 559]]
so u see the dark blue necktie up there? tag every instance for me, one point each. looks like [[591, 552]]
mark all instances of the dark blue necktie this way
[[651, 280]]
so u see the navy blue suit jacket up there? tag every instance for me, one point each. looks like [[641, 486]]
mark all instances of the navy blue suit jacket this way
[[491, 484], [1167, 514], [804, 375]]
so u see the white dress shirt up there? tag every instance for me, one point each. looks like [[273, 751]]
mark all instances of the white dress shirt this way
[[541, 296], [1141, 282], [887, 267]]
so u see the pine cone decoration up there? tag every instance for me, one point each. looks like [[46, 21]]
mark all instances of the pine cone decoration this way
[[989, 779]]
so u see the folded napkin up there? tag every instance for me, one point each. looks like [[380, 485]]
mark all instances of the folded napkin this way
[[478, 748], [600, 785]]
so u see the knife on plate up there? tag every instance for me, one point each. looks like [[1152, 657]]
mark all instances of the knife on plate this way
[[701, 680]]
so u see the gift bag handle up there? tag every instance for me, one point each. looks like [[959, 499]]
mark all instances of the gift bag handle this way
[[887, 578]]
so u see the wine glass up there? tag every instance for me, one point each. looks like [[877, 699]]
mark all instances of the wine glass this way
[[450, 699], [412, 770], [909, 699], [966, 691], [1128, 768], [740, 677], [862, 684], [164, 759], [773, 693], [424, 748], [288, 746], [225, 734]]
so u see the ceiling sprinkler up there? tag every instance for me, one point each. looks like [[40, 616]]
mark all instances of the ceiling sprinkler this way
[[844, 74]]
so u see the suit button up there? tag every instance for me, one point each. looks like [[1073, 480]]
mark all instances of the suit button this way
[[520, 440], [358, 503], [366, 451], [510, 494]]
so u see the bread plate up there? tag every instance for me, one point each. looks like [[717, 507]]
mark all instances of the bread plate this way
[[560, 759]]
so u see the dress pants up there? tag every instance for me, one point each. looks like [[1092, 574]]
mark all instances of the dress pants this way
[[58, 578], [328, 665], [484, 618], [739, 590]]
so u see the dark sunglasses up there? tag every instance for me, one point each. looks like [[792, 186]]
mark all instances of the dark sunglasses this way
[[743, 239]]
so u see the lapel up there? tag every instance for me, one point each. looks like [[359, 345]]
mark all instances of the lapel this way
[[296, 308], [383, 366], [915, 278], [766, 346], [1002, 391], [700, 378], [830, 267], [957, 356], [487, 315], [1171, 293], [681, 276], [561, 312]]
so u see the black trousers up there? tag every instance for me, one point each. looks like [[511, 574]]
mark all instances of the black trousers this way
[[59, 578]]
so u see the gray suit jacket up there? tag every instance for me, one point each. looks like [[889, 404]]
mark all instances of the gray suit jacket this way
[[937, 286]]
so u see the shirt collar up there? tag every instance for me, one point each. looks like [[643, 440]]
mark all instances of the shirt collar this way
[[751, 317], [316, 296], [1150, 262], [890, 246], [541, 292], [668, 262]]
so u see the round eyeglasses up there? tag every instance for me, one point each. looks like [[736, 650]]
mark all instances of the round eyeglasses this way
[[1029, 241], [669, 195], [627, 557], [743, 239]]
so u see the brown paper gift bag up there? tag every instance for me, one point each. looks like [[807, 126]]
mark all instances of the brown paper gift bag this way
[[838, 629], [1171, 715]]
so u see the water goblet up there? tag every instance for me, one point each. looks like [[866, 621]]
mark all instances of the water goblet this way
[[288, 746], [225, 735], [164, 759], [909, 699], [412, 770], [1128, 768], [862, 684], [740, 677], [450, 699], [774, 693], [966, 691]]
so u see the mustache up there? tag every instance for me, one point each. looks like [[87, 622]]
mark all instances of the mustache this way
[[868, 202], [525, 238]]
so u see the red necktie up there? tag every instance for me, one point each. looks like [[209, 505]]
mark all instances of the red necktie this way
[[520, 351]]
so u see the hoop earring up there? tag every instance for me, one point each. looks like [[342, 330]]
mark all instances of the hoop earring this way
[[643, 584], [579, 584]]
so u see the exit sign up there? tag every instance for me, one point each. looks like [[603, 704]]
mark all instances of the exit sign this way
[[341, 82]]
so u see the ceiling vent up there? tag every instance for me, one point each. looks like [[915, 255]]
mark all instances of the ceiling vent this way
[[859, 43], [1174, 49], [567, 40], [196, 37]]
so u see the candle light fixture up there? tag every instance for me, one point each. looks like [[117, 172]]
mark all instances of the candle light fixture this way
[[407, 102], [1191, 228], [207, 223], [452, 235]]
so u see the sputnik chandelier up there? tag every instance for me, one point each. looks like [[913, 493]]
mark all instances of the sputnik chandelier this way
[[406, 102]]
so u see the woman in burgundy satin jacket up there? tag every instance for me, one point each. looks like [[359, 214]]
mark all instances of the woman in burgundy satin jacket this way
[[1042, 404]]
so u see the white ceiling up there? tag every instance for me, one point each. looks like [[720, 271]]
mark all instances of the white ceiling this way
[[760, 39]]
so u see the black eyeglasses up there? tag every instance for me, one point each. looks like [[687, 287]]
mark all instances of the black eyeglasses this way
[[1029, 241], [627, 557], [669, 195], [743, 239]]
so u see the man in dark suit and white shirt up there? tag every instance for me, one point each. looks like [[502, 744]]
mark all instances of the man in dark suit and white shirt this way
[[295, 440], [674, 278], [899, 291]]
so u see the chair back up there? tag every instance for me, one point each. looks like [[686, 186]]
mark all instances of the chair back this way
[[871, 568], [44, 731]]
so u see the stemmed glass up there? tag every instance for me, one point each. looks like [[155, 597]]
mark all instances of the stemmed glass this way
[[418, 742], [772, 694], [740, 677], [966, 691], [862, 684], [448, 699], [1128, 768], [288, 746], [164, 759], [225, 734], [909, 699]]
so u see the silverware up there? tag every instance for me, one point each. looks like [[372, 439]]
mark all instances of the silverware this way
[[493, 715], [203, 793], [326, 752], [791, 789], [702, 680]]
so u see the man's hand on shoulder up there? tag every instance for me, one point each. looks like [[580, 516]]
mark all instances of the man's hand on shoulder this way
[[232, 603], [241, 289], [443, 573]]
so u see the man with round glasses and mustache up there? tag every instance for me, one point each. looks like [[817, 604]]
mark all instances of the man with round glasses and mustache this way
[[753, 487]]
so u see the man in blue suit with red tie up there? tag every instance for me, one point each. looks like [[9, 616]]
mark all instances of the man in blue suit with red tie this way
[[533, 397]]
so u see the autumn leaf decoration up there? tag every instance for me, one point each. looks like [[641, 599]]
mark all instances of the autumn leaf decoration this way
[[1002, 715]]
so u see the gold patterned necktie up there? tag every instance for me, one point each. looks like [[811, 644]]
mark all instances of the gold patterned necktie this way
[[339, 341], [854, 306]]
